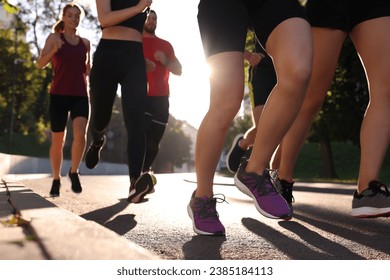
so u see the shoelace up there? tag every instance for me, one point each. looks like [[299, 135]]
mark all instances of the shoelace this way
[[265, 180], [285, 191], [208, 210], [381, 188]]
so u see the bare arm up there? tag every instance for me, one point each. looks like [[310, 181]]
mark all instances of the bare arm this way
[[52, 45], [88, 60], [109, 18], [174, 65]]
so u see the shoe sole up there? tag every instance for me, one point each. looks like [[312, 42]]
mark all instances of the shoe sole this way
[[234, 144], [370, 212], [246, 191], [198, 231], [141, 188]]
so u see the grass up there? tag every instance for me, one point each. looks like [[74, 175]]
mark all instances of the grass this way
[[24, 145], [346, 158]]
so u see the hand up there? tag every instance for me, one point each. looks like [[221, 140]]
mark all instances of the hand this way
[[255, 58], [144, 4], [161, 57], [150, 65], [57, 44]]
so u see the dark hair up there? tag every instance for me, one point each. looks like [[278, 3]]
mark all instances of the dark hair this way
[[59, 25]]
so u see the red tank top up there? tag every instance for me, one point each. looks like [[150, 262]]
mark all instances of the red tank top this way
[[69, 69]]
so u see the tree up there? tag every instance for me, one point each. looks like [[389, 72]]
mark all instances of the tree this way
[[23, 87], [175, 148], [20, 85]]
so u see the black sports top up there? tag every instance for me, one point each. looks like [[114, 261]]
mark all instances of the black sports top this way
[[137, 21]]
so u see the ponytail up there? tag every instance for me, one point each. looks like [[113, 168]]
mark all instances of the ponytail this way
[[58, 27]]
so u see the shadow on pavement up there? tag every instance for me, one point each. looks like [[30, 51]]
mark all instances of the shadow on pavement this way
[[373, 233], [121, 224], [292, 248], [315, 246], [204, 248]]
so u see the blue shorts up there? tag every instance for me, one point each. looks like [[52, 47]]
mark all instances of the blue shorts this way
[[223, 24], [61, 105], [345, 14]]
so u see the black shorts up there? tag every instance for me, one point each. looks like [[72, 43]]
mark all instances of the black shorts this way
[[61, 105], [223, 24], [157, 109], [345, 14], [262, 79]]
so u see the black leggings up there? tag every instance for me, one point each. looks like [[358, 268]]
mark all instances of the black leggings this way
[[120, 62], [156, 115]]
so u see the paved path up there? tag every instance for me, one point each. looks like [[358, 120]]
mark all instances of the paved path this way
[[322, 228]]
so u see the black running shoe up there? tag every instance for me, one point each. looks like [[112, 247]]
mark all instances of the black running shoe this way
[[284, 188], [74, 179], [92, 155], [139, 188], [233, 158], [55, 188]]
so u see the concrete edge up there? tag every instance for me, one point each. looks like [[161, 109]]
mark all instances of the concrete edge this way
[[62, 235]]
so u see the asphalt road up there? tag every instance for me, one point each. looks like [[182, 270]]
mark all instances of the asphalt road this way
[[321, 229]]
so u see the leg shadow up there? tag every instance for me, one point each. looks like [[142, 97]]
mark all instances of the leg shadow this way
[[204, 248]]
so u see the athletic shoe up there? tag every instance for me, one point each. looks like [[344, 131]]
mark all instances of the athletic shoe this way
[[372, 202], [247, 154], [285, 189], [204, 216], [92, 155], [268, 201], [139, 188], [235, 154], [55, 188], [154, 180], [74, 179]]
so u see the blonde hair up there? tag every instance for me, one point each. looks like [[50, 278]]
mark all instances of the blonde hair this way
[[59, 25]]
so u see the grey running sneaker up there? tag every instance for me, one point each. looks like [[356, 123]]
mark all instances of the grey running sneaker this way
[[268, 201], [75, 181], [92, 156], [55, 188], [205, 218], [235, 154], [139, 188], [372, 202]]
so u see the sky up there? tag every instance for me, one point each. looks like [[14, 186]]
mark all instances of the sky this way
[[177, 23]]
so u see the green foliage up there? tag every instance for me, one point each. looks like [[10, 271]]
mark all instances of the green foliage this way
[[27, 145], [20, 87], [239, 125], [9, 8]]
